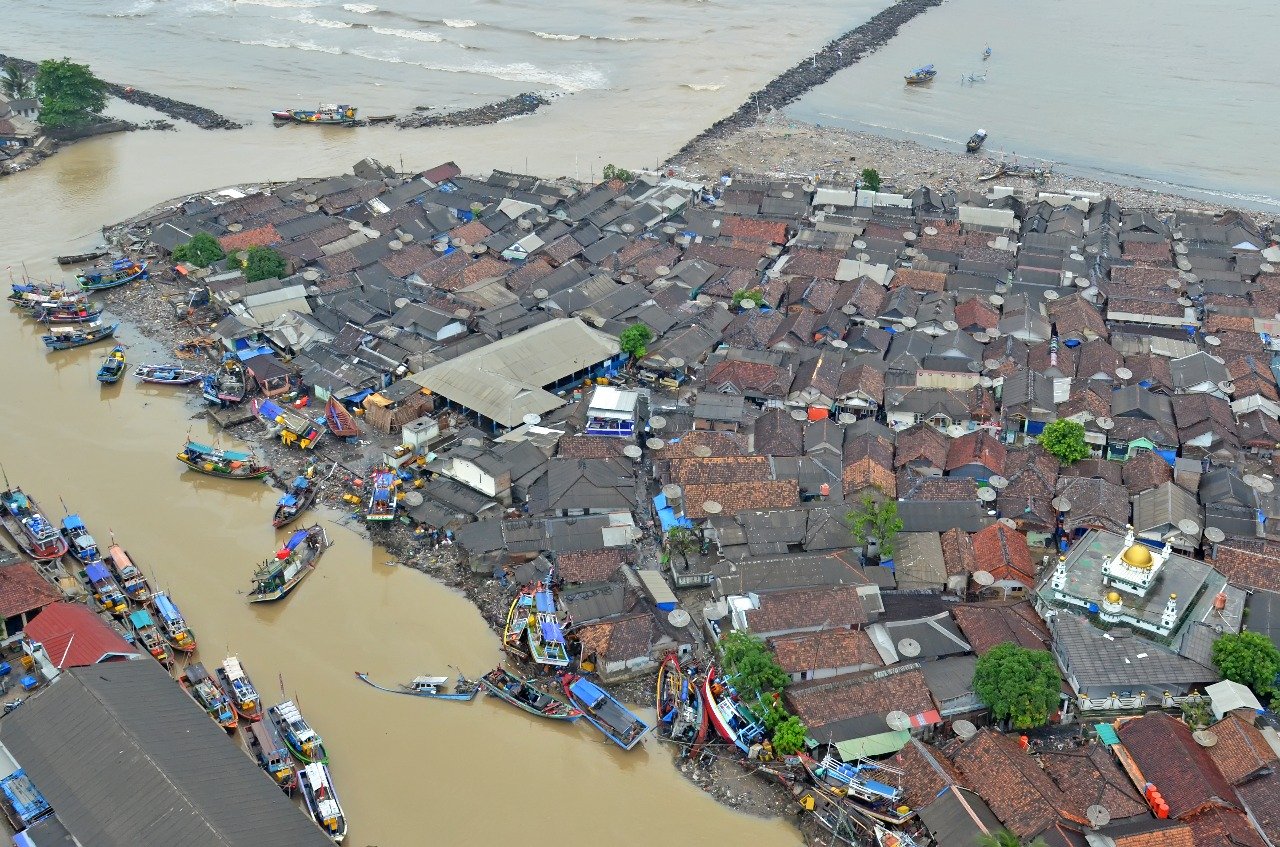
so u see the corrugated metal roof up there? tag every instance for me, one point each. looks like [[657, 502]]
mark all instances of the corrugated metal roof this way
[[145, 767]]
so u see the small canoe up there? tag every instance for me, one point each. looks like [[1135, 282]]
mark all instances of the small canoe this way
[[522, 694], [303, 742], [297, 498], [167, 375], [112, 367], [69, 337], [429, 686], [117, 273], [603, 711], [325, 115], [227, 464], [919, 76], [272, 755], [316, 786], [340, 421], [81, 258], [975, 142], [240, 691], [195, 680]]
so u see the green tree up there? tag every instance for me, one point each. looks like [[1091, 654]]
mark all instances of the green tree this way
[[1065, 440], [263, 263], [875, 520], [1249, 659], [753, 668], [15, 84], [70, 95], [1017, 684], [612, 171], [871, 179], [634, 340], [1005, 838], [789, 736], [202, 251], [753, 294], [681, 542]]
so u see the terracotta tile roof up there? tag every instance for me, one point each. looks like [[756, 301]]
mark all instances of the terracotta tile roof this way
[[1004, 553], [1033, 463], [1179, 767], [935, 489], [472, 233], [1219, 827], [562, 249], [1091, 776], [1161, 834], [725, 257], [721, 444], [260, 237], [1145, 471], [832, 648], [1215, 322], [1104, 469], [918, 280], [1255, 384], [333, 232], [1095, 503], [987, 624], [755, 229], [1149, 368], [925, 772], [799, 608], [22, 589], [868, 296], [1263, 798], [977, 447], [752, 329], [868, 463], [1151, 250], [957, 552], [1012, 783], [737, 497], [439, 269], [776, 434], [525, 277], [1242, 749], [841, 698], [730, 283], [754, 377], [1097, 357], [921, 445], [817, 263], [487, 267], [820, 374], [1039, 359], [1248, 568], [337, 264], [590, 447], [720, 469], [974, 314], [412, 257], [589, 565], [1258, 429], [863, 380], [1076, 317], [619, 639]]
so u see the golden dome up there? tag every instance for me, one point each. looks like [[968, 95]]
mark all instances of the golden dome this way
[[1138, 556], [1113, 597]]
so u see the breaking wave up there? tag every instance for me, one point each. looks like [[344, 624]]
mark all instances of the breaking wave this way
[[414, 34], [282, 4], [458, 23], [307, 18], [137, 10], [360, 8], [293, 44], [701, 86], [570, 79]]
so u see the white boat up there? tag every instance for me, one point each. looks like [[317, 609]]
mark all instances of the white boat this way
[[316, 786]]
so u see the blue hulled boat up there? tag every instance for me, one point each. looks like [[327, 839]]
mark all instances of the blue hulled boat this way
[[117, 273], [921, 75], [429, 686], [78, 335], [618, 723], [545, 631], [172, 624], [296, 499], [112, 367], [105, 589], [83, 547]]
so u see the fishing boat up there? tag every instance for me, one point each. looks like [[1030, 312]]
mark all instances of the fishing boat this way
[[66, 311], [727, 714], [175, 629], [303, 741], [78, 335], [106, 591], [294, 429], [382, 495], [522, 694], [228, 386], [167, 375], [112, 367], [316, 787], [117, 273], [80, 543], [889, 838], [681, 714], [545, 632], [240, 691], [132, 582], [228, 464], [23, 520], [921, 75], [195, 680], [429, 686], [986, 54], [831, 815], [292, 563], [340, 421], [518, 617], [297, 498], [975, 142], [81, 258], [865, 784], [271, 754], [29, 296], [148, 635], [327, 114], [618, 723]]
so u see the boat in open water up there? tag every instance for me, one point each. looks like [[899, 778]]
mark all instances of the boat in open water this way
[[118, 273], [524, 695], [195, 680], [82, 546], [292, 563], [294, 428], [732, 720], [22, 518], [134, 584], [429, 686], [175, 629], [272, 755], [545, 630], [874, 788], [618, 723], [340, 421], [112, 367], [149, 636], [328, 114], [298, 497], [106, 591], [682, 716], [383, 483], [167, 375], [227, 464], [240, 691], [228, 385], [316, 786], [921, 75], [303, 742], [67, 337]]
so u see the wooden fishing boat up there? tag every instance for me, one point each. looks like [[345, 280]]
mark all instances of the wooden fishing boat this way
[[730, 718], [545, 631], [112, 367], [23, 520], [175, 629], [518, 617], [292, 563], [297, 498], [29, 296], [294, 429], [227, 464], [682, 717], [975, 142], [240, 691], [228, 386], [831, 815], [303, 742], [316, 786], [429, 686], [79, 542], [132, 582], [167, 375], [328, 114], [78, 335], [272, 755], [81, 258], [383, 483], [340, 421], [117, 273], [863, 783], [195, 680], [66, 311], [618, 723], [149, 636], [889, 838], [921, 75], [106, 591], [522, 694]]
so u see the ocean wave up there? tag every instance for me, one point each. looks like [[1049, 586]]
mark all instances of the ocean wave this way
[[570, 79], [282, 4], [360, 8], [701, 86], [554, 37], [307, 18], [415, 34], [292, 44], [458, 23], [558, 37], [137, 10]]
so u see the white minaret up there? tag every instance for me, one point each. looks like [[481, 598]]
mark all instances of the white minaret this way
[[1169, 617], [1059, 581]]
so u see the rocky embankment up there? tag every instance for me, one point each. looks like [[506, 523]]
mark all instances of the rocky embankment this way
[[512, 107]]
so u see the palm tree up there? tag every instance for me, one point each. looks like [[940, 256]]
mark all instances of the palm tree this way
[[14, 83], [1005, 838]]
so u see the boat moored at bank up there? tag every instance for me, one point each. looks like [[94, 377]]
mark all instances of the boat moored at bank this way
[[292, 563]]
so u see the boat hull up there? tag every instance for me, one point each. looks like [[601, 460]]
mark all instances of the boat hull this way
[[605, 713], [70, 342], [41, 549], [442, 695], [340, 421], [89, 283], [312, 541], [498, 683]]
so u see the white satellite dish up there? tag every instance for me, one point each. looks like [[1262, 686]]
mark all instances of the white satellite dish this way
[[1062, 504], [678, 618], [799, 414], [1124, 373], [998, 482], [671, 491], [930, 230], [1226, 387], [655, 444], [1106, 423], [996, 300], [711, 507], [983, 578], [898, 720], [987, 495], [472, 442], [955, 430], [1205, 738], [702, 451], [950, 326], [1009, 523], [532, 419], [633, 452], [1214, 535], [1051, 295], [909, 322], [1098, 816], [1212, 340], [675, 362], [657, 422], [909, 647], [964, 729]]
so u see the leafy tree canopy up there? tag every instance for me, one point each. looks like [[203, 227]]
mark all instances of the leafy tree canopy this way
[[752, 666], [1005, 838], [1249, 659], [682, 542], [15, 83], [635, 339], [753, 294], [612, 171], [875, 520], [263, 263], [70, 95], [871, 179], [1018, 685], [1065, 440], [789, 736], [202, 251]]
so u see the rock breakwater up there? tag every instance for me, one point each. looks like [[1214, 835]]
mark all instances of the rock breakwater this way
[[491, 113]]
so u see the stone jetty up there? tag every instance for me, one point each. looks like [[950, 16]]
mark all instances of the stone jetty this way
[[491, 113]]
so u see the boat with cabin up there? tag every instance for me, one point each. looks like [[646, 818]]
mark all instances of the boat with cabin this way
[[339, 420], [133, 583], [618, 723], [195, 680], [67, 337], [118, 273], [29, 296], [874, 788], [167, 375], [682, 717], [227, 464], [28, 526], [299, 496], [843, 825], [292, 563], [240, 691], [228, 385], [921, 75], [316, 786], [294, 428], [524, 695], [66, 310], [149, 636], [80, 543], [975, 142], [429, 686], [732, 720], [175, 629], [329, 114], [545, 630], [106, 591], [112, 367], [518, 617], [272, 755], [303, 741], [383, 483]]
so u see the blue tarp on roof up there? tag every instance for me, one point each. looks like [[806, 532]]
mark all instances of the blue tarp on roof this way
[[667, 516], [141, 618], [73, 522], [301, 482], [545, 601], [165, 607], [296, 539], [288, 500]]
